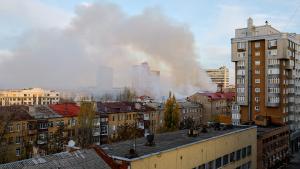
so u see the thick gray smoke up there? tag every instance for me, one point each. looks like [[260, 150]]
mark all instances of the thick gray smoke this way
[[102, 35]]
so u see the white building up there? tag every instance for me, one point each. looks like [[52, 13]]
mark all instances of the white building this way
[[30, 96], [219, 76]]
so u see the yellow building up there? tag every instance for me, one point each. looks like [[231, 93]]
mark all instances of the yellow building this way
[[128, 113], [19, 133], [227, 148]]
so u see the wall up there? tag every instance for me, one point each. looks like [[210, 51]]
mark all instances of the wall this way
[[194, 155]]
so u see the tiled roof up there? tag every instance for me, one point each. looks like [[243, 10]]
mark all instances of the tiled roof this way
[[66, 109], [80, 159], [17, 113], [218, 95], [117, 107]]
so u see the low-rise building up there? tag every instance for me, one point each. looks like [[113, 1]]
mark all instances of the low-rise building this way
[[215, 105], [272, 147], [128, 114], [17, 133], [189, 110], [231, 148], [30, 96]]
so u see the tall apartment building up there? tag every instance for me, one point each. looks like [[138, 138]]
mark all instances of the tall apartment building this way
[[219, 76], [30, 96], [267, 74]]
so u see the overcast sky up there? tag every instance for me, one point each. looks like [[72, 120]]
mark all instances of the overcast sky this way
[[212, 22]]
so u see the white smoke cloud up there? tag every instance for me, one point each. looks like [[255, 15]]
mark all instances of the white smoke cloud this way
[[103, 35]]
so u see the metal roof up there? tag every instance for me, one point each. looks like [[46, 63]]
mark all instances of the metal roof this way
[[79, 159]]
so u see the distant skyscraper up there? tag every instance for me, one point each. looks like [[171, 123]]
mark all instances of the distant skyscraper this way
[[267, 66], [219, 76], [145, 81]]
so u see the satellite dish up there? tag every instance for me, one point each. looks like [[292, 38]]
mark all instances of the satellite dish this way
[[71, 143]]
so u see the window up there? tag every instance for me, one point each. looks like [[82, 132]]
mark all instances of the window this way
[[43, 125], [225, 159], [257, 44], [256, 99], [272, 43], [232, 157], [10, 128], [18, 140], [18, 127], [244, 153], [256, 108], [241, 54], [238, 155], [257, 62], [241, 45], [18, 151], [257, 90], [257, 53], [257, 80], [272, 52], [210, 165], [249, 150], [219, 162], [257, 71]]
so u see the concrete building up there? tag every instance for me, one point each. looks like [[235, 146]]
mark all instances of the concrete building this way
[[267, 74], [214, 104], [219, 76], [17, 133], [272, 147], [190, 110], [30, 96], [120, 114], [228, 149]]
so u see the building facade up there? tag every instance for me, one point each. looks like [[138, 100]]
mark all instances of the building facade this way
[[219, 76], [30, 96], [267, 74], [125, 114], [272, 147], [232, 148], [215, 105]]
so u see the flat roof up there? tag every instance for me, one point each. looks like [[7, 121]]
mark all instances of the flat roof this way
[[262, 130], [164, 142]]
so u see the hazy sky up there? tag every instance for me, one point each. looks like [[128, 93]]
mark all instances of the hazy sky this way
[[211, 22]]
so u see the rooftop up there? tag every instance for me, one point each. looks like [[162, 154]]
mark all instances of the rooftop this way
[[66, 109], [218, 95], [86, 158], [42, 112], [118, 107], [16, 113], [262, 130], [165, 142]]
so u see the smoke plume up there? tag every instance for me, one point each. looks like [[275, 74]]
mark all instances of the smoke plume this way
[[102, 35]]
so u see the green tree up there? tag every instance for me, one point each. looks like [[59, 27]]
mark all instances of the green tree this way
[[86, 124], [171, 113]]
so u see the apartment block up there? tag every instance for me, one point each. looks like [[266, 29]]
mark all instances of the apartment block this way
[[120, 114], [219, 76], [267, 75], [215, 105], [30, 96]]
